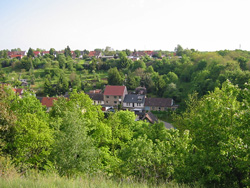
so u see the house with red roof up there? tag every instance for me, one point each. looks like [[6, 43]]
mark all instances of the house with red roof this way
[[16, 54], [48, 101], [44, 52], [36, 53], [95, 54], [114, 95], [18, 91]]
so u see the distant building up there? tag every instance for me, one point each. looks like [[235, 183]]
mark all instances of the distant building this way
[[159, 104], [16, 54], [133, 102], [97, 98], [114, 95], [48, 102]]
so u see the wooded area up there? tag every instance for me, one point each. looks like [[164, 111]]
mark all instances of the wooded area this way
[[210, 145]]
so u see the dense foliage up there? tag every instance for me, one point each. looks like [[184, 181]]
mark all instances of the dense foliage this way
[[211, 146], [165, 75]]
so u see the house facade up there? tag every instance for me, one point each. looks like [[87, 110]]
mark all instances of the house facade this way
[[159, 104], [97, 98], [16, 54], [114, 95], [133, 101]]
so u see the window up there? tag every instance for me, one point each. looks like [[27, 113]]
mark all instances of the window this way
[[107, 96], [119, 97], [138, 104], [115, 102], [107, 101], [115, 97]]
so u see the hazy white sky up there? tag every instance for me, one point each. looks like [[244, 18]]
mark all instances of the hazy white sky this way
[[205, 25]]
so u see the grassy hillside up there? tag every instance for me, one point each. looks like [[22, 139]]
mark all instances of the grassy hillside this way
[[45, 181]]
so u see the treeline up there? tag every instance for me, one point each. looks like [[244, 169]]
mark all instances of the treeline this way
[[210, 148], [163, 76]]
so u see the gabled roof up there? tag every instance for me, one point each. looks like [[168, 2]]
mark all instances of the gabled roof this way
[[36, 52], [159, 102], [18, 91], [133, 98], [95, 91], [94, 53], [96, 96], [150, 117], [48, 101], [150, 53], [16, 53], [91, 53], [114, 90]]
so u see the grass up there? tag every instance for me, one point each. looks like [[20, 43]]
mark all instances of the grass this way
[[52, 181], [39, 81]]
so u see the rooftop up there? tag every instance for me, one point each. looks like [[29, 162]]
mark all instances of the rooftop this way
[[114, 90]]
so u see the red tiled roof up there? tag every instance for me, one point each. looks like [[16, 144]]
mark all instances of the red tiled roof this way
[[91, 53], [36, 52], [114, 90], [149, 52], [48, 101], [18, 91], [13, 56], [45, 52]]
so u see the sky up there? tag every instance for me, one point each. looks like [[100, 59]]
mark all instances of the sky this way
[[204, 25]]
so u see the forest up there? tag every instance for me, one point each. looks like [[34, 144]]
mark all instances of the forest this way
[[209, 147]]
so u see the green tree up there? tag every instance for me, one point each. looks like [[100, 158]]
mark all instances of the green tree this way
[[67, 52], [62, 85], [32, 135], [33, 139], [76, 121], [171, 77], [7, 120], [124, 61], [179, 50], [155, 154], [48, 87], [30, 52], [132, 81], [114, 77], [78, 53], [51, 51], [216, 124], [74, 151]]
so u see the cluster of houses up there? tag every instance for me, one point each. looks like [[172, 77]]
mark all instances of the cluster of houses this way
[[115, 97], [136, 55], [118, 97]]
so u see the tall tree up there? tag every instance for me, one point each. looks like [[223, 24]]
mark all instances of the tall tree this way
[[67, 52], [114, 77], [51, 51], [216, 124], [30, 52]]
